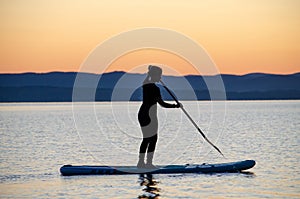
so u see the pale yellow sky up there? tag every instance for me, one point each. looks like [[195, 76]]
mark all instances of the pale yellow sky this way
[[240, 36]]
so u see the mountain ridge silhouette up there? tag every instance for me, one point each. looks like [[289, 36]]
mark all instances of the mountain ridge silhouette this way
[[58, 86]]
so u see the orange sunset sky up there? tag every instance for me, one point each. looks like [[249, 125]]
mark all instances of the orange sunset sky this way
[[240, 36]]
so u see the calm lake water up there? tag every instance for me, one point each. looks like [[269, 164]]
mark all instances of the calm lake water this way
[[38, 138]]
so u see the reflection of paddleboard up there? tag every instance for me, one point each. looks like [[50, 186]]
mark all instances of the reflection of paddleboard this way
[[68, 170]]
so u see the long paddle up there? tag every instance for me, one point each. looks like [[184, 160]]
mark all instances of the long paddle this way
[[190, 118]]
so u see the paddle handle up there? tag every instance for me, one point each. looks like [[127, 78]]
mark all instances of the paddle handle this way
[[190, 118]]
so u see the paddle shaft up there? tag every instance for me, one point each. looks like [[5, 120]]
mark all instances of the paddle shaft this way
[[190, 118]]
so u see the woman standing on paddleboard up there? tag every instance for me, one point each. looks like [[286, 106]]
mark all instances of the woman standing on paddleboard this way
[[147, 115]]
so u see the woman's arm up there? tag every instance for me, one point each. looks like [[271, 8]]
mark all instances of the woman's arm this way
[[165, 104]]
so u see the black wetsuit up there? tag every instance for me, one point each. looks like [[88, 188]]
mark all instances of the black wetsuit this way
[[148, 116]]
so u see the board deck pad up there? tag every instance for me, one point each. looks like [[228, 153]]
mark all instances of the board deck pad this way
[[68, 170]]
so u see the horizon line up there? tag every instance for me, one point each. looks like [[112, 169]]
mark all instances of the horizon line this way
[[121, 71]]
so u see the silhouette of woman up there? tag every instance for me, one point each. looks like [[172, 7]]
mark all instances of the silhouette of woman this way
[[147, 115]]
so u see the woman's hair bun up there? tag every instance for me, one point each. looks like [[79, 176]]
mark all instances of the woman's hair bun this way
[[149, 67], [154, 69]]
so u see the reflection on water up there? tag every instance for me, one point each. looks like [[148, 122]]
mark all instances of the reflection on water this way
[[36, 139], [248, 174], [150, 189]]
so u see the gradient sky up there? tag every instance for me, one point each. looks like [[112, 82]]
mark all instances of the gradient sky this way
[[240, 36]]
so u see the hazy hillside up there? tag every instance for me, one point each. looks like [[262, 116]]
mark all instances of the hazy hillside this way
[[58, 86]]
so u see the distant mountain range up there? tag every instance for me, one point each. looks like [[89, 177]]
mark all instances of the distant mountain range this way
[[58, 86]]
